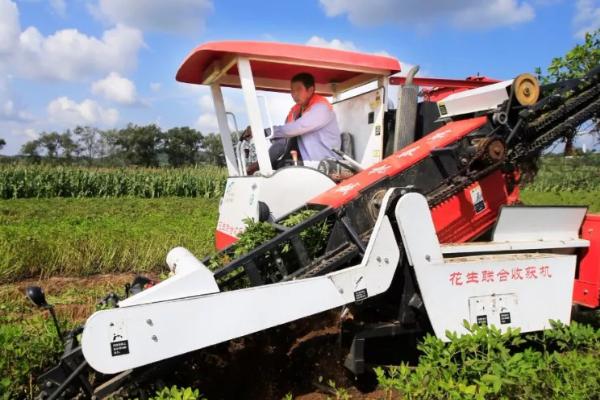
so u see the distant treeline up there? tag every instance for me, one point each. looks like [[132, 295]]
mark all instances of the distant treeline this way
[[146, 146]]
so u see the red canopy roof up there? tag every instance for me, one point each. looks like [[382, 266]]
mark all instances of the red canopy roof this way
[[274, 64]]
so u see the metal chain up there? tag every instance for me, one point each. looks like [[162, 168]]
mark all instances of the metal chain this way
[[545, 120], [326, 261], [569, 124]]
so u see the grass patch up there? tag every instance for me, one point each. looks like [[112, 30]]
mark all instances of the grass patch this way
[[79, 237], [28, 341], [582, 198], [561, 174], [27, 347]]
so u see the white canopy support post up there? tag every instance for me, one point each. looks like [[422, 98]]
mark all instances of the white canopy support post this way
[[335, 97], [384, 82], [230, 159], [260, 142]]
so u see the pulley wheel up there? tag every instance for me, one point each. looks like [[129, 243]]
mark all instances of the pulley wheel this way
[[527, 89], [495, 150], [374, 204]]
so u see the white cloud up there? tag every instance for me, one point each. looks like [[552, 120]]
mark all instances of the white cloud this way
[[116, 88], [494, 13], [547, 2], [332, 44], [8, 107], [279, 106], [16, 134], [587, 17], [268, 37], [69, 113], [174, 16], [9, 26], [71, 55], [11, 108], [31, 134], [340, 45], [66, 54], [155, 86], [206, 103], [466, 14], [10, 111], [207, 121], [59, 7]]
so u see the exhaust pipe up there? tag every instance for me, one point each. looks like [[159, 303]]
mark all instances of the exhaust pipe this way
[[406, 112]]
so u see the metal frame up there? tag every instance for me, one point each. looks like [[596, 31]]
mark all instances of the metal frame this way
[[249, 91], [453, 288], [224, 131], [216, 76], [147, 329], [288, 234]]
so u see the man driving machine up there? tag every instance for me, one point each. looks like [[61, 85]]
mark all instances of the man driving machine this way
[[311, 124]]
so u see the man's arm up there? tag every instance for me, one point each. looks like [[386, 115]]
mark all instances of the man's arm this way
[[317, 117]]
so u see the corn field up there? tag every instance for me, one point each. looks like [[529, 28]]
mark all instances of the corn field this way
[[567, 174], [35, 181]]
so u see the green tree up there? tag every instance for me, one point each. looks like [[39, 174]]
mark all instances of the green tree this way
[[181, 145], [2, 143], [107, 143], [56, 145], [89, 140], [140, 144], [575, 64], [31, 149], [68, 146], [50, 142], [212, 150]]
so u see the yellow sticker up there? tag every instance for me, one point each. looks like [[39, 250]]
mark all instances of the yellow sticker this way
[[375, 104]]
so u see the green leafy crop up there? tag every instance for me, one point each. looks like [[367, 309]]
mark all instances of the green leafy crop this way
[[563, 363]]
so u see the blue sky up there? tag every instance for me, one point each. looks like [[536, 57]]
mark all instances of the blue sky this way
[[106, 63]]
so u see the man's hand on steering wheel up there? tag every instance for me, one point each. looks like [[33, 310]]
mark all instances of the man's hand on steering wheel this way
[[247, 134]]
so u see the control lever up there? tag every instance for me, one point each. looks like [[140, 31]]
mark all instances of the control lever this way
[[353, 163]]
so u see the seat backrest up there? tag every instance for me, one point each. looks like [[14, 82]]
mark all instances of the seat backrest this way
[[347, 144], [363, 116]]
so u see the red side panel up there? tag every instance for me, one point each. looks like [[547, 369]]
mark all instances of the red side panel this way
[[223, 240], [471, 82], [440, 88], [398, 162], [587, 284], [471, 212]]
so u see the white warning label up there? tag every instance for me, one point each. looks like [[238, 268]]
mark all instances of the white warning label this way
[[477, 199]]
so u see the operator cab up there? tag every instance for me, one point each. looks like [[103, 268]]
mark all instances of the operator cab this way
[[250, 66], [253, 66]]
